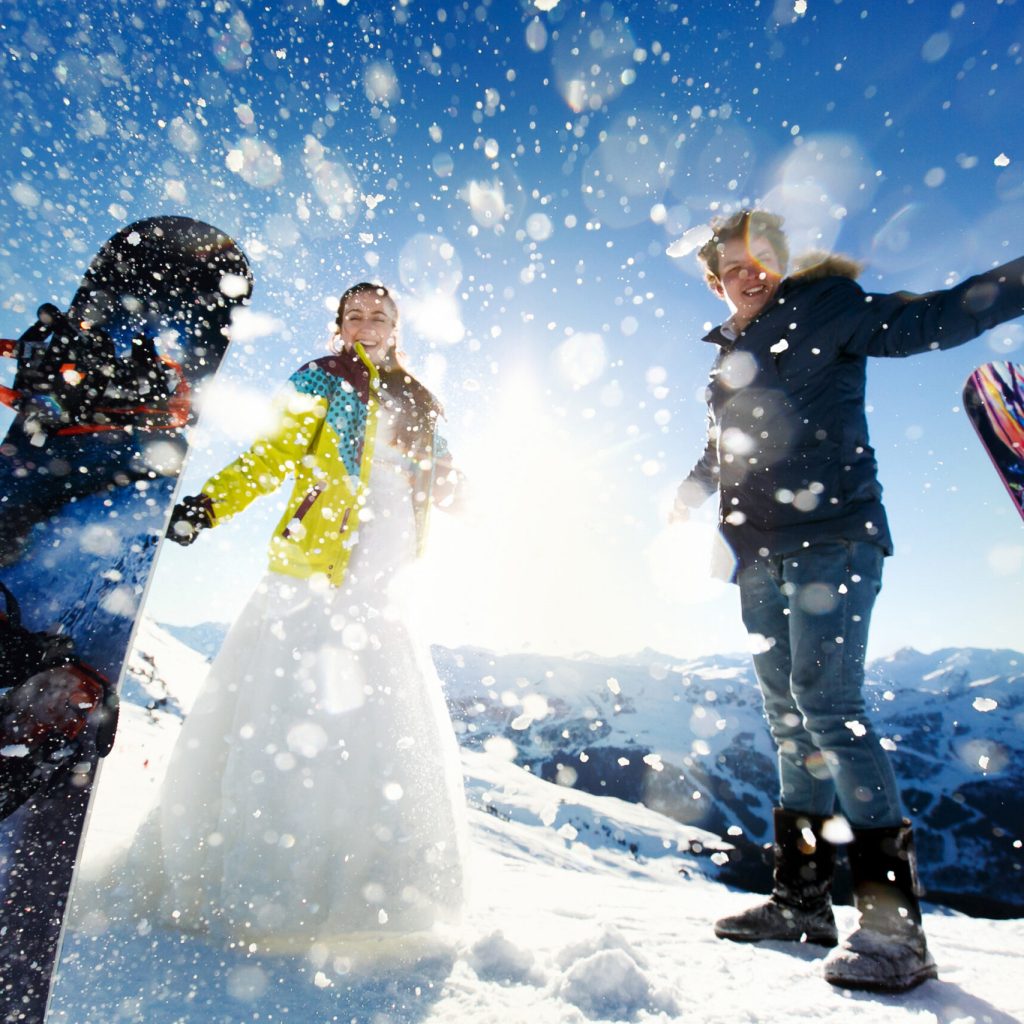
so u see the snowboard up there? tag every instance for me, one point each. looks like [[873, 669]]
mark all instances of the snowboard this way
[[994, 400], [103, 394]]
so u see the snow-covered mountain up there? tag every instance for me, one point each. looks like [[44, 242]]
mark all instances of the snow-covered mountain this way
[[205, 637], [584, 906], [688, 739]]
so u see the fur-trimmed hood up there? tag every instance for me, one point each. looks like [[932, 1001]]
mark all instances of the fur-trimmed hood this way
[[818, 264], [811, 266]]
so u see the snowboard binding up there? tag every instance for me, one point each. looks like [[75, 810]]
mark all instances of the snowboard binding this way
[[71, 380], [50, 700]]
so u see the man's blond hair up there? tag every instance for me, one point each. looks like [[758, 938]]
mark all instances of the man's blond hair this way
[[745, 224]]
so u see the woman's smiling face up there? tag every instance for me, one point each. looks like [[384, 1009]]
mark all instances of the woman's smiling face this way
[[748, 277], [369, 318]]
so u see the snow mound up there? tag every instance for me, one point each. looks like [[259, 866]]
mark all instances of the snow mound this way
[[496, 958], [610, 985], [607, 939]]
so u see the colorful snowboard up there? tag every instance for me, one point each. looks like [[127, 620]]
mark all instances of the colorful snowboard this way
[[994, 400], [103, 395]]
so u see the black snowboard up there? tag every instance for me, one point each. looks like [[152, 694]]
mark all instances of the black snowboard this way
[[104, 394]]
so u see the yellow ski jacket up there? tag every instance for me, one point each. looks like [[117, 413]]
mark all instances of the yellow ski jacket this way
[[324, 436]]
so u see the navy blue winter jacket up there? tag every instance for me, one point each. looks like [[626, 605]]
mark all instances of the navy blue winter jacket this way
[[787, 444]]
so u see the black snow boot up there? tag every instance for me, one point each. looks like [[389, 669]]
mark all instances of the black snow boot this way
[[888, 952], [800, 906]]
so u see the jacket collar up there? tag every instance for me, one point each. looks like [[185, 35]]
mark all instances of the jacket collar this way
[[370, 366], [813, 266]]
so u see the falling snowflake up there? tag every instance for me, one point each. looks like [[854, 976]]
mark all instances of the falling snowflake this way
[[690, 241]]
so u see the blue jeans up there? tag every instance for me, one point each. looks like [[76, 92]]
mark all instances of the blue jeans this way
[[808, 617]]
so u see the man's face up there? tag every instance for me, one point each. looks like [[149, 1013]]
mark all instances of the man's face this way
[[749, 276]]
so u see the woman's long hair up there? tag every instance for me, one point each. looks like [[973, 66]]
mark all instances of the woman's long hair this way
[[419, 408]]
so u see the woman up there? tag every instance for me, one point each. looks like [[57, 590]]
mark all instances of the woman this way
[[315, 790], [801, 506]]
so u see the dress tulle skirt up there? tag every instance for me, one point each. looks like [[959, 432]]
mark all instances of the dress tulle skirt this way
[[315, 790]]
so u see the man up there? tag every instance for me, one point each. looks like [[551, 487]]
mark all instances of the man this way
[[800, 505]]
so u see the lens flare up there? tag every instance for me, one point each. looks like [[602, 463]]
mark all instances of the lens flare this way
[[629, 171], [255, 162], [429, 264], [593, 60], [332, 182], [486, 201], [581, 359], [818, 185], [912, 236]]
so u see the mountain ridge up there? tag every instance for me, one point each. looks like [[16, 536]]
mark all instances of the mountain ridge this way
[[687, 737]]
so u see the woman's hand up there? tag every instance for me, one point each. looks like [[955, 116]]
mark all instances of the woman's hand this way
[[190, 515]]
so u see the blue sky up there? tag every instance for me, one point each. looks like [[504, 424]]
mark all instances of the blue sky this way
[[517, 175]]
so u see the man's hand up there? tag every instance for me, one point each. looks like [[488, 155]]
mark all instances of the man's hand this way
[[689, 496], [679, 513]]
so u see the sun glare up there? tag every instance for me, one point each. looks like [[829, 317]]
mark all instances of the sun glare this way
[[522, 566], [682, 561], [550, 556]]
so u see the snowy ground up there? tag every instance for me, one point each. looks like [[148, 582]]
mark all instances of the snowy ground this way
[[565, 925], [558, 931]]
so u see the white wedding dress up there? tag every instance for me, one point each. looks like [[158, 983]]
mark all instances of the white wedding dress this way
[[315, 790]]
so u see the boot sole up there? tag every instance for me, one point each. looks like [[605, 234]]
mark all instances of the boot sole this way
[[825, 941], [892, 987]]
